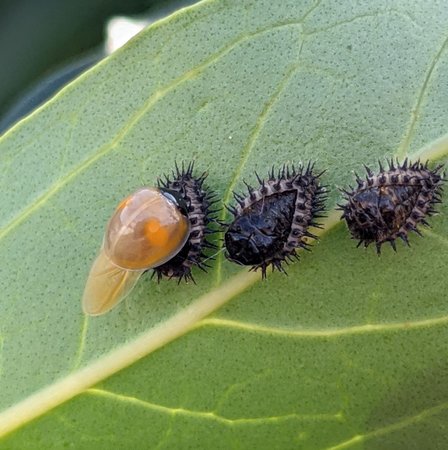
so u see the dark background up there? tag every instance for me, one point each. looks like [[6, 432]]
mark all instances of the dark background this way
[[45, 43]]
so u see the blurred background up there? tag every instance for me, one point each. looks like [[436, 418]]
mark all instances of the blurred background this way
[[46, 43]]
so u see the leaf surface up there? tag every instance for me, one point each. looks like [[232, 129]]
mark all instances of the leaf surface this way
[[348, 351]]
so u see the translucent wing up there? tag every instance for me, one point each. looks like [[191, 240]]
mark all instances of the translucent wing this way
[[107, 285]]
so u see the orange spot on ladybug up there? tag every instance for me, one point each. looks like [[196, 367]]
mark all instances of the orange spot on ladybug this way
[[152, 226], [156, 235]]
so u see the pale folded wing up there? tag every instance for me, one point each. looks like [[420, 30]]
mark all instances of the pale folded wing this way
[[107, 285]]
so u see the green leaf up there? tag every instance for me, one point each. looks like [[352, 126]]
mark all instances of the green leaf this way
[[348, 351]]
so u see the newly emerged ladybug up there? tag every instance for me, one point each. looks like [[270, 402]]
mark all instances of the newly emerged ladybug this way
[[390, 204], [273, 220], [149, 229]]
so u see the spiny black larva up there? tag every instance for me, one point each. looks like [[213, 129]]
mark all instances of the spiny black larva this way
[[390, 204], [272, 221], [198, 202]]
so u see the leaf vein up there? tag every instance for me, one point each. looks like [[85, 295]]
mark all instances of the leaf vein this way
[[247, 149], [406, 422], [325, 332], [415, 112], [211, 415]]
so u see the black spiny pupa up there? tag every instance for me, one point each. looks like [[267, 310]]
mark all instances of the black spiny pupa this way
[[272, 221], [390, 204], [197, 202]]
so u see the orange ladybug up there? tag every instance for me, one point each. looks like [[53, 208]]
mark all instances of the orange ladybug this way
[[160, 228]]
